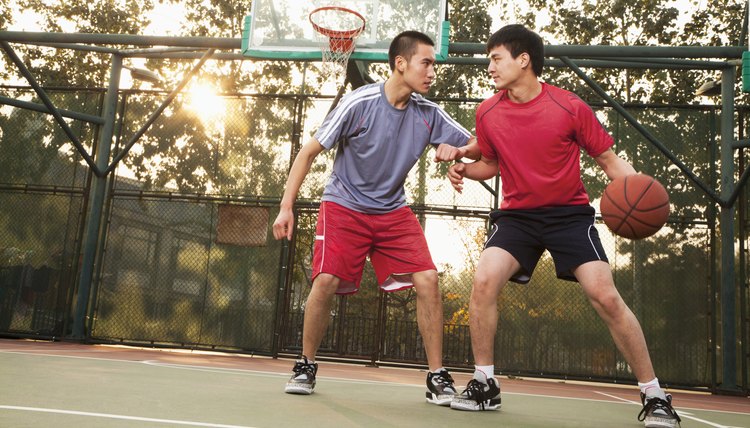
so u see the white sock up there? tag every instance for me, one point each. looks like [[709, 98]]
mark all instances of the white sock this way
[[487, 371], [438, 370], [652, 389]]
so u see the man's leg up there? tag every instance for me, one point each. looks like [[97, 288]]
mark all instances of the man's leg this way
[[495, 268], [430, 316], [596, 280], [318, 313], [440, 387], [317, 318]]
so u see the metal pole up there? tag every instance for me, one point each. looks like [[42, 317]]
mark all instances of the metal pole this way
[[125, 39], [742, 275], [43, 109], [96, 205], [25, 72], [728, 290], [713, 289]]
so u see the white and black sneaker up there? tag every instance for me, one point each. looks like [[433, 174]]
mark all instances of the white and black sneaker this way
[[481, 393], [303, 379], [657, 412], [440, 388]]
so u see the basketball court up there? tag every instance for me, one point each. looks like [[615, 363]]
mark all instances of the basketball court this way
[[73, 385]]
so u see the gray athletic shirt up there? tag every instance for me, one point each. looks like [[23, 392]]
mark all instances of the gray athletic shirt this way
[[378, 144]]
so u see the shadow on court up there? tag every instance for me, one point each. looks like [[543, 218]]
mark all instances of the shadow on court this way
[[45, 384]]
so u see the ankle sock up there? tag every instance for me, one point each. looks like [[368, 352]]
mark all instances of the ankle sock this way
[[652, 389], [487, 371]]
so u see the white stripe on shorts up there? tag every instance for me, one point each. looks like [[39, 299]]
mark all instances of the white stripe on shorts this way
[[588, 234]]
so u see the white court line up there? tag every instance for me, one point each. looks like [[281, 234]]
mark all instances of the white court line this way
[[683, 414], [244, 372], [272, 374], [68, 356], [111, 416]]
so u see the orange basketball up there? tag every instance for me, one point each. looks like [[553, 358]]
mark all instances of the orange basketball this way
[[635, 206]]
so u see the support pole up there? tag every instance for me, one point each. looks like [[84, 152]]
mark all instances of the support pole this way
[[96, 204], [728, 290]]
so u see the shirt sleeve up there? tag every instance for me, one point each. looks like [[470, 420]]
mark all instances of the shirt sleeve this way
[[445, 129], [343, 121], [590, 133], [485, 147]]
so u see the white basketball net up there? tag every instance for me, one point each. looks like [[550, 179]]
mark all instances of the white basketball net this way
[[337, 29]]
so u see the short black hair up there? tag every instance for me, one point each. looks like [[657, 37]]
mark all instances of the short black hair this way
[[405, 44], [519, 39]]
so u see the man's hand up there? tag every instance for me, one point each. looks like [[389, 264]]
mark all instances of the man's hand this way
[[448, 153], [456, 176], [284, 224]]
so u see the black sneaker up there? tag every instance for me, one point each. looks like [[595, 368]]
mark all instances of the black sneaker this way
[[303, 379], [440, 389], [658, 413], [478, 395]]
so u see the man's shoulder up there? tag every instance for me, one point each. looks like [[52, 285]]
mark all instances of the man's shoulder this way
[[567, 99], [371, 91], [357, 100], [369, 88], [491, 102], [422, 102]]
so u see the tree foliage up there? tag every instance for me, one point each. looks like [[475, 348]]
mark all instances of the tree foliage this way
[[80, 68]]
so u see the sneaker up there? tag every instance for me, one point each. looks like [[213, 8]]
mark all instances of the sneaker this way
[[303, 379], [480, 394], [658, 412], [440, 389]]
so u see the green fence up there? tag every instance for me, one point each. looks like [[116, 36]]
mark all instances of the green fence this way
[[187, 258]]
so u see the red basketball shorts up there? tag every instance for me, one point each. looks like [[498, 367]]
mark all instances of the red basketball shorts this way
[[394, 242]]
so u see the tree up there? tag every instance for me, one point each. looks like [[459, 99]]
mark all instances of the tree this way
[[53, 67]]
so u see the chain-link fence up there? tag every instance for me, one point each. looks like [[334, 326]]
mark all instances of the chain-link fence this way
[[186, 257]]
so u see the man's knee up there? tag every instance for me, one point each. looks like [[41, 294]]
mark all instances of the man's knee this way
[[426, 282], [610, 302], [484, 285], [326, 283]]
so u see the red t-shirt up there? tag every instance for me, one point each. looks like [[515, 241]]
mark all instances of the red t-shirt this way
[[537, 146]]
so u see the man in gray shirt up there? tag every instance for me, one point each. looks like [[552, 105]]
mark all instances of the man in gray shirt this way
[[380, 131]]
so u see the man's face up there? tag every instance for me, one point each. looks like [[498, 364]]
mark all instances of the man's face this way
[[504, 69], [419, 71]]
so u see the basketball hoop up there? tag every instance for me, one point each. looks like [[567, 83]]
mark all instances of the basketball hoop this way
[[336, 29]]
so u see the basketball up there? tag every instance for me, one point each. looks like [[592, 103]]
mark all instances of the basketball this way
[[635, 206]]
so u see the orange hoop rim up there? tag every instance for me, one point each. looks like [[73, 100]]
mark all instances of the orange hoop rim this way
[[337, 34]]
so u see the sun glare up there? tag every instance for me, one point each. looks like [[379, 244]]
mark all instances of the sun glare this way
[[203, 100]]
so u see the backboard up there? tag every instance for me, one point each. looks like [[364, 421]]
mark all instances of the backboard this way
[[280, 29]]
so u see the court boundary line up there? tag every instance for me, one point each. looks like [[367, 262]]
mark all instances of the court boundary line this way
[[121, 417]]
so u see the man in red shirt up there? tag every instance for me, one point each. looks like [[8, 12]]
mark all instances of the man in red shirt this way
[[531, 133]]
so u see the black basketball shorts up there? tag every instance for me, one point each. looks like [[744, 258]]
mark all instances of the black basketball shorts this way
[[568, 233]]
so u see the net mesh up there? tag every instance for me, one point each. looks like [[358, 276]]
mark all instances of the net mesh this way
[[336, 30]]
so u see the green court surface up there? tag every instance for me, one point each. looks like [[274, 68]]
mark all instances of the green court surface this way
[[45, 384]]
